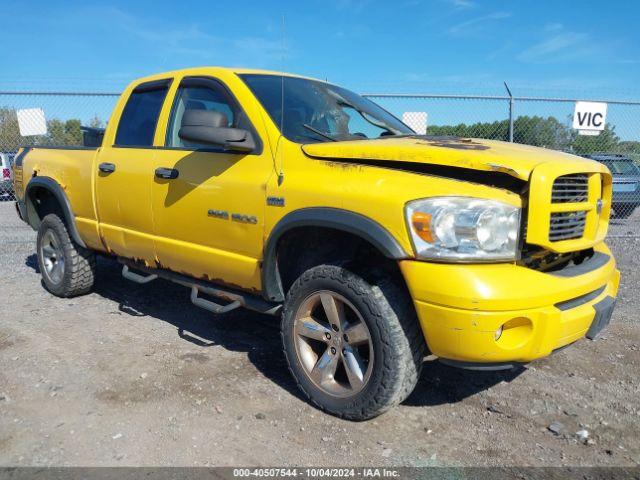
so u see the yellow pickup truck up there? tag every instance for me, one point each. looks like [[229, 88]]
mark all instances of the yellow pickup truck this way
[[296, 197]]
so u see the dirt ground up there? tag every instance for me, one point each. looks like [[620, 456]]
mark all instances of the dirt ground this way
[[136, 375]]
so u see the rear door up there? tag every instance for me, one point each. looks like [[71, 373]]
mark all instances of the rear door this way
[[124, 174]]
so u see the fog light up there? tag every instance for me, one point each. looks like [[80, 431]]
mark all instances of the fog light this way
[[515, 333]]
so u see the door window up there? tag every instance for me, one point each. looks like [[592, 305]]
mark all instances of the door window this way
[[202, 94], [140, 115]]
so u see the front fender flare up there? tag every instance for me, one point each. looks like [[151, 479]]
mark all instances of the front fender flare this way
[[337, 219], [56, 190]]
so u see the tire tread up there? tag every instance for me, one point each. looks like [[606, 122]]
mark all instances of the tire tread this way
[[80, 262]]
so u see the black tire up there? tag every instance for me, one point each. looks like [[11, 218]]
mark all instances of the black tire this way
[[396, 339], [78, 270]]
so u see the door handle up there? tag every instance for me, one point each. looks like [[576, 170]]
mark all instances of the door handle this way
[[107, 167], [167, 173]]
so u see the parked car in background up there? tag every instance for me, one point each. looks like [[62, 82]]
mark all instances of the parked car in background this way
[[6, 184], [626, 182]]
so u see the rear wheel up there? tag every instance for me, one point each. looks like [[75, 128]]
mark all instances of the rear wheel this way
[[355, 348], [67, 269]]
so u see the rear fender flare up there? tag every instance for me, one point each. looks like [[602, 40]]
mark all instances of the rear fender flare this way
[[56, 190]]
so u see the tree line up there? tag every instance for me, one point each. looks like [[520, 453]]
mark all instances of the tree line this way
[[542, 132]]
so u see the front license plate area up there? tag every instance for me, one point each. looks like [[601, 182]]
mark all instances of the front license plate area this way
[[604, 310]]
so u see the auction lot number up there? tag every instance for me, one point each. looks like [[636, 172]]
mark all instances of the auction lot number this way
[[316, 472]]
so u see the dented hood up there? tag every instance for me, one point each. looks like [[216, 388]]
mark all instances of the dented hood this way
[[488, 155]]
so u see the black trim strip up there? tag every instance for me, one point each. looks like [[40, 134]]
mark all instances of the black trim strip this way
[[20, 157], [22, 210], [153, 85], [598, 260], [480, 367], [602, 318], [489, 367], [63, 147], [581, 300], [140, 147], [54, 187], [182, 149]]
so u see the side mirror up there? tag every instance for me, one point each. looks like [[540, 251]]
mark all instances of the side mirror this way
[[210, 128]]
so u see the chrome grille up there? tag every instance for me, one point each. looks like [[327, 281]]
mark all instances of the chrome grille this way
[[567, 225], [572, 188]]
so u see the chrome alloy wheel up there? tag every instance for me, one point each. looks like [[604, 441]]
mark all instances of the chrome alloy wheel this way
[[52, 257], [333, 344]]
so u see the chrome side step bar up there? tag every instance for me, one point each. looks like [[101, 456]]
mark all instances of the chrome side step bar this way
[[134, 277], [236, 299], [211, 306]]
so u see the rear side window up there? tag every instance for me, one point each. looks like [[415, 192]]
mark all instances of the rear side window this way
[[140, 116]]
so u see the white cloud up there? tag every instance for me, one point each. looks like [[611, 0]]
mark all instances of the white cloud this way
[[475, 25], [553, 27], [561, 45], [355, 6], [461, 3]]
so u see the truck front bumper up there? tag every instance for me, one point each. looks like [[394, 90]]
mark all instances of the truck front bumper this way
[[497, 314]]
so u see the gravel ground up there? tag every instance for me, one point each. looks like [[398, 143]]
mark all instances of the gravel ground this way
[[135, 375]]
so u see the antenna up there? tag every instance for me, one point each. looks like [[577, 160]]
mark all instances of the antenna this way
[[281, 172]]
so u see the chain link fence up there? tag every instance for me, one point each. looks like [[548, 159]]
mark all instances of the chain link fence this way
[[541, 122], [63, 113]]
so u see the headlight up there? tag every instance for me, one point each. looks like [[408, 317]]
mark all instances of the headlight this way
[[463, 228]]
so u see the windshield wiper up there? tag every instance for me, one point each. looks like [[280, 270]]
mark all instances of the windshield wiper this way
[[318, 132]]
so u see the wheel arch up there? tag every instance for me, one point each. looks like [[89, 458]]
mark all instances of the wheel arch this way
[[336, 219], [57, 202]]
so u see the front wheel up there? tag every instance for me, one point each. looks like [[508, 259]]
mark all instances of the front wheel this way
[[67, 269], [355, 348]]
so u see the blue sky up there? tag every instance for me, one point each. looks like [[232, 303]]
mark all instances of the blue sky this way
[[585, 48]]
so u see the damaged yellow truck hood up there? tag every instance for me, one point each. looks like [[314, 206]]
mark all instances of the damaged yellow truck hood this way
[[488, 155]]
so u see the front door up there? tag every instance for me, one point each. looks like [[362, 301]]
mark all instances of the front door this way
[[209, 219], [124, 177]]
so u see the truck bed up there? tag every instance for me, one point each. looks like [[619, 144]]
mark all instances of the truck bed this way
[[71, 167]]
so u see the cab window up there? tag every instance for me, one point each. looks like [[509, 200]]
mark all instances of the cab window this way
[[140, 115]]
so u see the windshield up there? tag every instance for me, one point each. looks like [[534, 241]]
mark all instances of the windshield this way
[[622, 167], [319, 112]]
